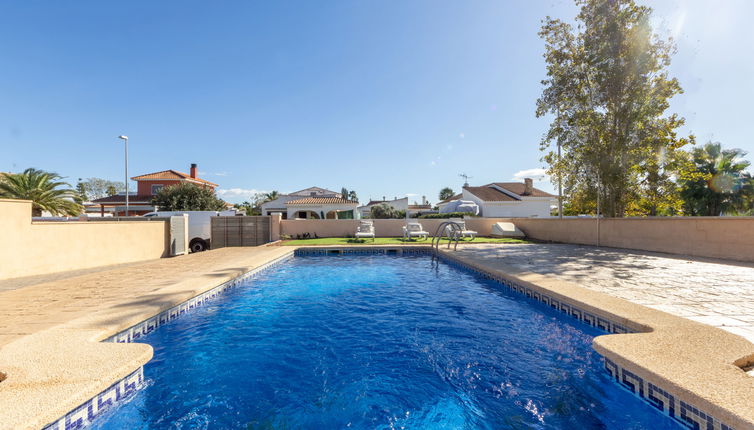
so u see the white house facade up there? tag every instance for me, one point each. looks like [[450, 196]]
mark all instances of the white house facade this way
[[312, 203], [508, 200]]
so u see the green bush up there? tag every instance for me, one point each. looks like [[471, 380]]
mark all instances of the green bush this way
[[448, 215]]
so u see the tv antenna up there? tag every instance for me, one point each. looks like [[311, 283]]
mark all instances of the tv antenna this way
[[465, 179]]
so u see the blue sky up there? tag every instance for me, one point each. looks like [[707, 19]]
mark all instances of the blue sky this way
[[384, 97]]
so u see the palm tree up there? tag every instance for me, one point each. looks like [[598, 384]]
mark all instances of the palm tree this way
[[44, 189], [446, 193], [272, 195], [719, 183]]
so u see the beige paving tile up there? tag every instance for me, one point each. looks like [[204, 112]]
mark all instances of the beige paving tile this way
[[714, 292]]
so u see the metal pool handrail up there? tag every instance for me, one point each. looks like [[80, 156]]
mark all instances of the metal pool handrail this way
[[454, 235]]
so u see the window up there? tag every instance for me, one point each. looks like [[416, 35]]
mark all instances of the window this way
[[156, 188]]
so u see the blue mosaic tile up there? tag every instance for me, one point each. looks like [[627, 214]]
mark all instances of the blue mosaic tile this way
[[83, 415], [143, 328], [683, 413]]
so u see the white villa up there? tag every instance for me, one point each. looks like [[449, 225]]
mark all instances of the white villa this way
[[507, 200], [397, 204], [312, 203]]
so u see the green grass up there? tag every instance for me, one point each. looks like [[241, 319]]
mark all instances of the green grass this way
[[388, 241]]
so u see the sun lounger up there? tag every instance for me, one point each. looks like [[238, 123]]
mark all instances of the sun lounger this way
[[414, 229], [364, 230], [461, 231]]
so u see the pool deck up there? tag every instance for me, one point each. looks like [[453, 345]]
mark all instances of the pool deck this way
[[715, 292], [49, 346], [51, 326]]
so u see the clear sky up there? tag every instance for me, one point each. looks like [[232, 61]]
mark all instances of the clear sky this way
[[384, 97]]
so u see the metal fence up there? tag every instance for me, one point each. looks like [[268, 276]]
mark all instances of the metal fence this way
[[240, 231]]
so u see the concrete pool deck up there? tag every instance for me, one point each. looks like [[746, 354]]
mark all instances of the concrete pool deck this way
[[50, 349]]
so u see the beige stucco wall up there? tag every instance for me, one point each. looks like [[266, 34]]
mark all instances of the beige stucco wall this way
[[714, 237], [37, 248], [347, 227]]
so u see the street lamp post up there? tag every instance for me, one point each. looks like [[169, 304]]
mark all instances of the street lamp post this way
[[125, 139]]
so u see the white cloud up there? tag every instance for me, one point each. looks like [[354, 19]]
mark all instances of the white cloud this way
[[536, 174], [237, 195], [461, 135], [221, 174]]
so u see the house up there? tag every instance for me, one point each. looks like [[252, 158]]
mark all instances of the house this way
[[507, 200], [397, 204], [146, 187], [312, 203]]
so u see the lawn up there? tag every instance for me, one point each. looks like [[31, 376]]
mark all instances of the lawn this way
[[388, 241]]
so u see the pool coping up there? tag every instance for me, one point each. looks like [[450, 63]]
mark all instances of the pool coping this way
[[689, 370]]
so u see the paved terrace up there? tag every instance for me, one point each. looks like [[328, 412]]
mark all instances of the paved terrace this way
[[715, 292], [29, 305]]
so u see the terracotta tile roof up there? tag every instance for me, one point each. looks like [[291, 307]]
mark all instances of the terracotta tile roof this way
[[518, 188], [120, 198], [489, 194], [321, 201], [171, 175], [450, 199]]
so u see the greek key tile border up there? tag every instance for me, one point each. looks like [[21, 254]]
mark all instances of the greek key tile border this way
[[683, 413], [553, 302], [83, 415], [301, 252], [149, 325]]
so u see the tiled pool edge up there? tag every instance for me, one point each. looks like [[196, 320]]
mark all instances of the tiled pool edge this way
[[84, 414], [681, 412], [147, 326]]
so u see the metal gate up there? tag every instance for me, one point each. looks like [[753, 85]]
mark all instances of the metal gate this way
[[239, 231]]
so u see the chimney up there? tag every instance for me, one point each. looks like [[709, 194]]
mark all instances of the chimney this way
[[528, 186], [424, 200], [193, 170]]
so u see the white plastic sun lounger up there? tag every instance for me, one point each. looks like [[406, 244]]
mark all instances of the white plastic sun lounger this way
[[414, 229], [463, 232], [364, 230]]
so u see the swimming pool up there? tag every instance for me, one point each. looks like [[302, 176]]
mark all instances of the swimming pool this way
[[385, 342]]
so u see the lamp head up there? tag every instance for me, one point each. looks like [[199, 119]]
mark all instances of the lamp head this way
[[123, 137]]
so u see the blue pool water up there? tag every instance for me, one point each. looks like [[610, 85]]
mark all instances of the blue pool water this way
[[377, 342]]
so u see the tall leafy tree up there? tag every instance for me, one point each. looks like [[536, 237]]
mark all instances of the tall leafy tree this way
[[187, 197], [385, 211], [95, 188], [45, 189], [607, 90], [719, 183], [446, 193], [352, 196]]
